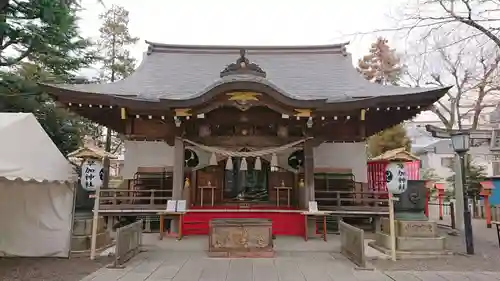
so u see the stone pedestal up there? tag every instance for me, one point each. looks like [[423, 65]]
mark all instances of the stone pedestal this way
[[82, 234], [240, 238], [414, 239]]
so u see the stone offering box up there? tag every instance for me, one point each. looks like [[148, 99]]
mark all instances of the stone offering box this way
[[240, 238]]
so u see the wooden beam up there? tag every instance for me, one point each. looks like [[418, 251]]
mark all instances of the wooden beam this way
[[308, 194]]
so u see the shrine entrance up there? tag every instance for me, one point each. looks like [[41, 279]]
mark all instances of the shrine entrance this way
[[247, 181], [256, 184]]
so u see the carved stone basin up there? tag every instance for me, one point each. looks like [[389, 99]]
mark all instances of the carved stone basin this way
[[240, 238]]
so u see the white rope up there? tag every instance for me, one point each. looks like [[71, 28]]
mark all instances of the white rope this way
[[256, 153]]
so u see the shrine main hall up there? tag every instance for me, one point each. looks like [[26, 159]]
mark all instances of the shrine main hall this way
[[266, 128]]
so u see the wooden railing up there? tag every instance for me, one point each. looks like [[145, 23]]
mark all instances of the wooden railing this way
[[125, 199], [349, 200]]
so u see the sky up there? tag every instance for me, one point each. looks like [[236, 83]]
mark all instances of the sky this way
[[256, 22]]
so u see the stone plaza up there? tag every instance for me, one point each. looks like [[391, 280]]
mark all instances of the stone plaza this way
[[186, 260]]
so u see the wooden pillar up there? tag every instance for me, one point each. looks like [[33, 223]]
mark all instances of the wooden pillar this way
[[308, 173], [177, 176]]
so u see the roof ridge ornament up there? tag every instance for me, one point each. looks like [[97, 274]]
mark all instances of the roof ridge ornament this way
[[243, 66]]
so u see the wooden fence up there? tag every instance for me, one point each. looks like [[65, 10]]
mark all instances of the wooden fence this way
[[130, 199], [352, 243], [128, 243]]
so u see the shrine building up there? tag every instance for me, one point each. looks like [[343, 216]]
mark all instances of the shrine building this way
[[266, 128]]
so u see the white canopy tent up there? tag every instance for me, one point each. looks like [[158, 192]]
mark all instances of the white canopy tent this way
[[36, 190]]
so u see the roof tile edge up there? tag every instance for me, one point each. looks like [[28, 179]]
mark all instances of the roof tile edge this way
[[161, 47]]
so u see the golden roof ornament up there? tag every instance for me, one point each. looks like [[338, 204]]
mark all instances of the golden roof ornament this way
[[243, 66]]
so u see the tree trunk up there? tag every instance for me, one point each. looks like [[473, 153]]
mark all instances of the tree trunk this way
[[107, 147], [106, 161]]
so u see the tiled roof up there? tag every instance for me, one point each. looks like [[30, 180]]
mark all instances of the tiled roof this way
[[180, 72]]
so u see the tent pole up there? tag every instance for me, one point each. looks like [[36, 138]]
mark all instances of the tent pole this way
[[95, 220], [73, 212]]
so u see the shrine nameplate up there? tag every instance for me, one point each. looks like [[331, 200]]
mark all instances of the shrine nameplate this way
[[240, 238]]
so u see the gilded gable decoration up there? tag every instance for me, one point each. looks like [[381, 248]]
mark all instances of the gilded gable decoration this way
[[243, 66]]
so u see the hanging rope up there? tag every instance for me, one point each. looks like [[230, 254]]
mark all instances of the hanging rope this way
[[256, 153]]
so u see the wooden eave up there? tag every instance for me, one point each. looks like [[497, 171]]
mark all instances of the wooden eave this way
[[398, 154], [91, 152], [324, 106]]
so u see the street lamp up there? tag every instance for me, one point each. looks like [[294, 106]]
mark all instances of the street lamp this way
[[461, 144]]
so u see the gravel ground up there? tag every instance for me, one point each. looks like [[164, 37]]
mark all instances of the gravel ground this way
[[49, 269], [486, 258]]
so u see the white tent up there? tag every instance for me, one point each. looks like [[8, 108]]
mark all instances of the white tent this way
[[36, 190]]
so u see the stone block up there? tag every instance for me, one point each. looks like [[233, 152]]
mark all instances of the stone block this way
[[383, 240], [420, 244], [83, 226], [412, 244], [82, 243], [240, 238], [411, 228]]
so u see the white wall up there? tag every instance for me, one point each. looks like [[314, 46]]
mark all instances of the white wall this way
[[146, 154], [433, 161], [480, 156], [327, 155], [343, 155]]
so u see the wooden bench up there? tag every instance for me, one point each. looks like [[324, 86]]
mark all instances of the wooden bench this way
[[497, 224]]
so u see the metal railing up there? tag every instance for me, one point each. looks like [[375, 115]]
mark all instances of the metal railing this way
[[448, 211], [128, 243]]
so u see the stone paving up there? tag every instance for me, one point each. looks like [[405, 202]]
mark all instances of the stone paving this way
[[287, 266], [295, 260]]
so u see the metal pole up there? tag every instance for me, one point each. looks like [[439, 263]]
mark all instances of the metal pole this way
[[469, 243], [459, 194], [452, 215]]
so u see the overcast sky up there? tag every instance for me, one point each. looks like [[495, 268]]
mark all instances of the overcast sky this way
[[256, 22]]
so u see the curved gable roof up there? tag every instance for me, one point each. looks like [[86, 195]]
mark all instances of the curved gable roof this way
[[183, 72]]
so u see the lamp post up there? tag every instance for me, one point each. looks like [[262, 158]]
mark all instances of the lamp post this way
[[461, 144]]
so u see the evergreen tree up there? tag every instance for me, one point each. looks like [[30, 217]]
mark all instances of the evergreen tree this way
[[117, 63], [388, 139], [45, 32], [474, 175], [114, 40], [40, 42], [382, 65]]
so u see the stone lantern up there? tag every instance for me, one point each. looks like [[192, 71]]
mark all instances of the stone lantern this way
[[415, 234], [411, 194], [85, 200]]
